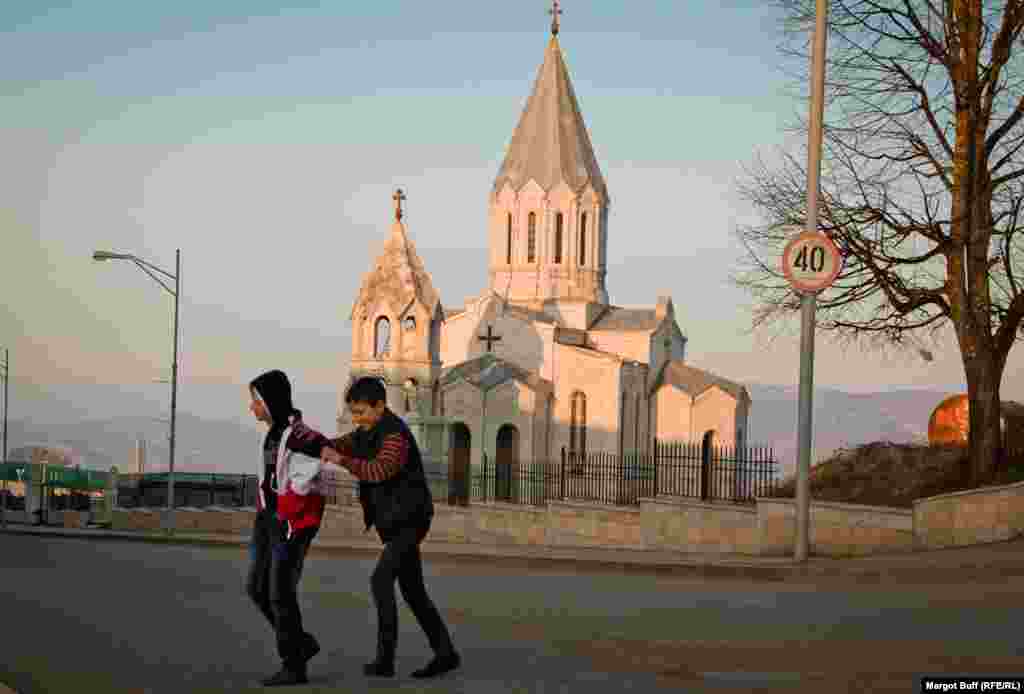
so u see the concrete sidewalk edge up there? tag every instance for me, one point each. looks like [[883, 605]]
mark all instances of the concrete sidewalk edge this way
[[709, 564]]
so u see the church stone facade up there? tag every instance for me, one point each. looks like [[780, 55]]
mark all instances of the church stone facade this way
[[540, 359]]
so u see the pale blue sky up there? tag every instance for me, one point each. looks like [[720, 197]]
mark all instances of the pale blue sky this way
[[265, 141]]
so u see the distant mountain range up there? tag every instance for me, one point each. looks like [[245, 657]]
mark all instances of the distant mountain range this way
[[101, 423]]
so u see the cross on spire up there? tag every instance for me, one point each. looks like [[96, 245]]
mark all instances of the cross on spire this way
[[398, 197], [554, 12], [489, 337]]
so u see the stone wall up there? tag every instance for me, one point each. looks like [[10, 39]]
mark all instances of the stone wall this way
[[685, 525], [971, 517], [667, 523], [836, 529]]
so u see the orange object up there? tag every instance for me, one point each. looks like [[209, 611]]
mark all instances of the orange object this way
[[949, 423]]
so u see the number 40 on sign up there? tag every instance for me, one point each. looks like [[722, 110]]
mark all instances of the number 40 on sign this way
[[811, 262]]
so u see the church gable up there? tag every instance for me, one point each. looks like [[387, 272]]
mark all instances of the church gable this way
[[492, 327], [462, 401], [694, 382]]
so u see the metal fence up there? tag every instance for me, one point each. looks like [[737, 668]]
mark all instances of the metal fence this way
[[192, 489], [738, 475], [710, 473]]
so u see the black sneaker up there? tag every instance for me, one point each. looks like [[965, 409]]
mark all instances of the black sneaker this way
[[438, 666], [310, 648], [286, 677], [379, 669]]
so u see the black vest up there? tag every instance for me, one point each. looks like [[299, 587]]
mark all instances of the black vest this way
[[403, 500]]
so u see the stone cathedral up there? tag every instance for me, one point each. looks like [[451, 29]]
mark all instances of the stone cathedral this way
[[541, 359]]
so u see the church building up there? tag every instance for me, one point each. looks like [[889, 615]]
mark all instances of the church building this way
[[541, 359]]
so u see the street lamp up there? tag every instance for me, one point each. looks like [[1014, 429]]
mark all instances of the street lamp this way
[[150, 269], [5, 370]]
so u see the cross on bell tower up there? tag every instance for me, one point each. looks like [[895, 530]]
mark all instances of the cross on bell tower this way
[[398, 197], [554, 12]]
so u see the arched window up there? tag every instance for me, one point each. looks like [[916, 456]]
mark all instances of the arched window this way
[[409, 394], [381, 337], [531, 238], [622, 424], [558, 238], [410, 323], [583, 239], [578, 424], [636, 423], [508, 245]]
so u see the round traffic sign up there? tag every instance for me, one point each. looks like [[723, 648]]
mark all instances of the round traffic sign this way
[[811, 262]]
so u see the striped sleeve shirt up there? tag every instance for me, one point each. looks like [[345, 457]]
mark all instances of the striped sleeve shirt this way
[[306, 440], [394, 452]]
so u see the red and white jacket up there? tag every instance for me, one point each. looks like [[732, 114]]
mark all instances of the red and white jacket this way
[[300, 489]]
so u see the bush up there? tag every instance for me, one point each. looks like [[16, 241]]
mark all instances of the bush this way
[[885, 474]]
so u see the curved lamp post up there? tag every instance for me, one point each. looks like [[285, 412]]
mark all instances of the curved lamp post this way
[[150, 269], [5, 374]]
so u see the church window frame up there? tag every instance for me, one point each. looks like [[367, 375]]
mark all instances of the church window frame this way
[[578, 429], [622, 423], [583, 239], [636, 422], [508, 239], [381, 345], [559, 224], [408, 394], [409, 323], [531, 238]]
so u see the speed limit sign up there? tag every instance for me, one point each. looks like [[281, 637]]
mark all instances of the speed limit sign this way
[[811, 262]]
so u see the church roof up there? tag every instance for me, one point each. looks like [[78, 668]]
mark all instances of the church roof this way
[[630, 319], [488, 371], [448, 312], [695, 381], [528, 314], [398, 274], [550, 144]]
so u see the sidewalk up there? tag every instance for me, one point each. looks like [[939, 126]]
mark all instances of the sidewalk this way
[[1004, 559]]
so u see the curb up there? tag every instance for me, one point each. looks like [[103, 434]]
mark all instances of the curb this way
[[917, 565]]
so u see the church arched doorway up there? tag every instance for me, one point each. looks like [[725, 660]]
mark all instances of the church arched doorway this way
[[506, 462], [706, 456], [459, 446]]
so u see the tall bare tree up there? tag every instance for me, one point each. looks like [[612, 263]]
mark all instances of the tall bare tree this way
[[922, 185]]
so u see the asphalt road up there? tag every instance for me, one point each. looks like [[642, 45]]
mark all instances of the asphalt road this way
[[116, 617]]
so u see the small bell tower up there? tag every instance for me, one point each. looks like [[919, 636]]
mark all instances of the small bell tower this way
[[396, 325]]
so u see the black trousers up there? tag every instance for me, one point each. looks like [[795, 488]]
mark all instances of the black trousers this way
[[401, 561], [273, 581]]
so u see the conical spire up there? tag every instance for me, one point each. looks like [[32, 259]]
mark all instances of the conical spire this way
[[398, 273], [551, 145]]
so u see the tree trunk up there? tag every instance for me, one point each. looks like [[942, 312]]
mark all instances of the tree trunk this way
[[985, 437]]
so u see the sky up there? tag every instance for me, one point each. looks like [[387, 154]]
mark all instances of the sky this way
[[264, 140]]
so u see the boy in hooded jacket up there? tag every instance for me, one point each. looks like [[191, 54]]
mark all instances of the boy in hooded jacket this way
[[290, 508]]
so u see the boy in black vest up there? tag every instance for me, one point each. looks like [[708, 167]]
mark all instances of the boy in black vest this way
[[382, 454]]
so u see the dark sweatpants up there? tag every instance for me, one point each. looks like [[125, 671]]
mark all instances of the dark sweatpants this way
[[401, 560], [273, 581]]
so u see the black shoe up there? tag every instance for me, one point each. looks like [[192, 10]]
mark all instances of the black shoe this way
[[286, 677], [379, 669], [438, 666], [310, 648]]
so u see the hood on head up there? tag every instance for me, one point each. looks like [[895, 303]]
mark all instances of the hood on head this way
[[275, 390]]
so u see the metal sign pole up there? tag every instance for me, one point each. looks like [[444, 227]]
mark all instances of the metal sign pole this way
[[808, 303]]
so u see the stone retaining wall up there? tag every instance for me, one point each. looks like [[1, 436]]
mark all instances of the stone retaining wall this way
[[669, 523], [972, 517], [685, 525], [836, 529]]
